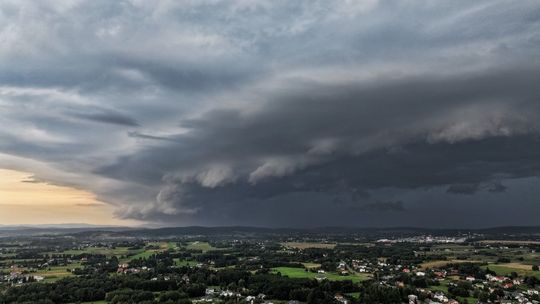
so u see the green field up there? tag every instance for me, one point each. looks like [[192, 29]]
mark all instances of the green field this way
[[203, 246], [507, 269], [172, 246], [443, 287], [144, 254], [300, 273], [181, 262], [311, 265], [54, 273], [355, 295], [118, 251], [122, 251]]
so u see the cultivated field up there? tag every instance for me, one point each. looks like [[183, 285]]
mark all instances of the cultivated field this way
[[304, 245]]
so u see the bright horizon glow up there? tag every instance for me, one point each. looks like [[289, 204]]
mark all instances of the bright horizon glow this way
[[26, 201]]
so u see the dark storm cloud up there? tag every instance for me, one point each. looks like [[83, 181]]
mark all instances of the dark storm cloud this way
[[424, 165], [303, 113], [496, 187], [325, 124], [348, 140], [110, 118], [463, 188], [469, 189], [384, 206], [146, 136]]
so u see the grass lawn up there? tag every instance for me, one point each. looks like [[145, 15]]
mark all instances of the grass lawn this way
[[300, 273], [443, 287], [469, 300]]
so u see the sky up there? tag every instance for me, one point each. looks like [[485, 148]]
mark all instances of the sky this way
[[270, 113]]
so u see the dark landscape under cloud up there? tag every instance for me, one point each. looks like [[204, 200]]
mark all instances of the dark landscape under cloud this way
[[366, 113]]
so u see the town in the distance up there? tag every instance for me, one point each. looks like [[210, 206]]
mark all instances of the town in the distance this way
[[262, 265]]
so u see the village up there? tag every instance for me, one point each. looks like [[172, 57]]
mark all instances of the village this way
[[419, 269]]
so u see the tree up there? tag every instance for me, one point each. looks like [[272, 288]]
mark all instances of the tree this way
[[535, 268]]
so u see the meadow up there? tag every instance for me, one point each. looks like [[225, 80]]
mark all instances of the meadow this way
[[301, 273]]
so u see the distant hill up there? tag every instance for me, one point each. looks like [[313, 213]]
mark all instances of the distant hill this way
[[404, 231], [59, 226], [26, 230], [244, 230]]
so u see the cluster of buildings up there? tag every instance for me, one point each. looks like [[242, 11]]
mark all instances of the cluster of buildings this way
[[16, 277], [126, 269], [426, 239], [216, 295], [510, 290]]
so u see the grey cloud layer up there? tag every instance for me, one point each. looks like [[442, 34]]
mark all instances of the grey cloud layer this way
[[210, 112]]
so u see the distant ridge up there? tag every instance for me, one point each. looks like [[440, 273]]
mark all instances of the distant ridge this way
[[329, 230], [60, 226], [228, 230], [62, 229], [363, 231]]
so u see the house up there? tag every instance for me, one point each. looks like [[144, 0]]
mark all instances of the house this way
[[439, 274], [496, 278], [413, 299], [227, 293], [508, 285], [341, 299], [439, 296]]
